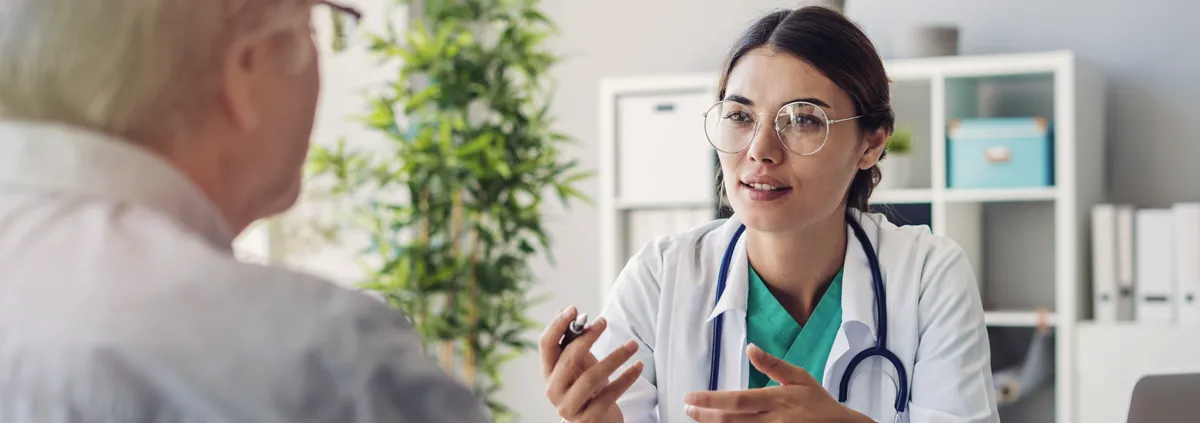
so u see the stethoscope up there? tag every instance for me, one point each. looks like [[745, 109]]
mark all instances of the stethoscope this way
[[880, 349]]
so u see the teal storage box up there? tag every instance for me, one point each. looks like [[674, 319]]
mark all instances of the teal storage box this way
[[1000, 153]]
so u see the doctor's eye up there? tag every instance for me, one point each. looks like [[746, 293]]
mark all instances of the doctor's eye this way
[[739, 116], [805, 122]]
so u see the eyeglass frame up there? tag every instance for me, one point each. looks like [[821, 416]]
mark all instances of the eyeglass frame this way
[[350, 11], [828, 124]]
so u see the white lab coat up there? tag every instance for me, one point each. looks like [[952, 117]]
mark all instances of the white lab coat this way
[[121, 301], [664, 299]]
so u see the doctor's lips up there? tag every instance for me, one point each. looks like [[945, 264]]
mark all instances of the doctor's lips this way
[[764, 188]]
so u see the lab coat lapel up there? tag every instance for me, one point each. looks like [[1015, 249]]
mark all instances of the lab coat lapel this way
[[858, 301], [732, 308]]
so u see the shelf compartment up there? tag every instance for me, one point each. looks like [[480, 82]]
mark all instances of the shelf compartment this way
[[902, 196], [993, 195], [1011, 248], [912, 103], [1018, 318], [1019, 260], [1001, 96], [1021, 95], [906, 214], [1011, 349]]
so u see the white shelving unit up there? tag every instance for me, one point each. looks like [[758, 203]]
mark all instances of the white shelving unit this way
[[1029, 246]]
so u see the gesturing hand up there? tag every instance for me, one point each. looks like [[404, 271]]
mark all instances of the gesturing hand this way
[[577, 383], [798, 399]]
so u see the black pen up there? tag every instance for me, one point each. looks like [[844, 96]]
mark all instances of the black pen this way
[[574, 330]]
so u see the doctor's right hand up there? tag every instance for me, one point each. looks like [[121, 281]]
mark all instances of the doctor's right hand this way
[[577, 383]]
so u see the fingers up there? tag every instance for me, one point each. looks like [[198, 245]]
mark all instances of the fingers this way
[[747, 401], [576, 358], [548, 343], [597, 377], [607, 397], [614, 390], [708, 415], [575, 354], [778, 370]]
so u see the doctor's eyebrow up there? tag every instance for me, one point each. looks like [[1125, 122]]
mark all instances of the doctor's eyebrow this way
[[743, 100]]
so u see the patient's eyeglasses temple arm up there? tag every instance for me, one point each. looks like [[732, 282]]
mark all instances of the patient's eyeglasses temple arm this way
[[354, 13]]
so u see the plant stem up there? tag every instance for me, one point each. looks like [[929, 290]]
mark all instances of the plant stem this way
[[472, 315], [423, 242], [452, 285]]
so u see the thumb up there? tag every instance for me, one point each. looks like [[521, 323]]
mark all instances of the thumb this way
[[778, 370]]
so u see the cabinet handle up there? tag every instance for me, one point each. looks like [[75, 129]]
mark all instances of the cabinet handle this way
[[997, 154]]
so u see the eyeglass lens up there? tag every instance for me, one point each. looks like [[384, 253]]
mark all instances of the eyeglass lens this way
[[801, 126]]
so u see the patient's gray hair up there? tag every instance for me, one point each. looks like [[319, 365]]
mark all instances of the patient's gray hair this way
[[134, 68]]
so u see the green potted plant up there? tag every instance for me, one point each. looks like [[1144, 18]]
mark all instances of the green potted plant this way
[[897, 164], [453, 203]]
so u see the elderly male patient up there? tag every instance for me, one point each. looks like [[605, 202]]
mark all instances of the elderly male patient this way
[[137, 139]]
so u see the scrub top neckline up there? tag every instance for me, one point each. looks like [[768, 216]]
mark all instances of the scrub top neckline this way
[[772, 328]]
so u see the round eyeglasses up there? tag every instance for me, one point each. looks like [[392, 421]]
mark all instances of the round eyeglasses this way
[[802, 126]]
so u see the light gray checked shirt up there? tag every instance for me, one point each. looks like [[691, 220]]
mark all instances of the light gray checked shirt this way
[[121, 302]]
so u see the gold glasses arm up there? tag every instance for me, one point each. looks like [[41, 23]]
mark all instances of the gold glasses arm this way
[[843, 120]]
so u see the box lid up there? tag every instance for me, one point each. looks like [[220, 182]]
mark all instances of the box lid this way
[[998, 128]]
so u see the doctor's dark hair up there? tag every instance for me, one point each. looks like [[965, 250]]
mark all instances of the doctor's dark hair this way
[[840, 50]]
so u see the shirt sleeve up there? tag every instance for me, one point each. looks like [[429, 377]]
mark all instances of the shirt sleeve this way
[[390, 379], [952, 377], [632, 313]]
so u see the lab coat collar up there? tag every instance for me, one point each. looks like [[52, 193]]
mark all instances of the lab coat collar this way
[[857, 295], [60, 158], [737, 283]]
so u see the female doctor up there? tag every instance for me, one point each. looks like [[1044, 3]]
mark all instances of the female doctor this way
[[803, 306]]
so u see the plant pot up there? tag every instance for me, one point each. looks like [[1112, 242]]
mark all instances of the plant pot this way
[[896, 169], [836, 5], [927, 41]]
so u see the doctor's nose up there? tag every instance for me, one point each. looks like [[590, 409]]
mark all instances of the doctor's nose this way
[[765, 147]]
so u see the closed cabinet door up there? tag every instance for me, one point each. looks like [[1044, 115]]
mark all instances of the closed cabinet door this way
[[662, 154]]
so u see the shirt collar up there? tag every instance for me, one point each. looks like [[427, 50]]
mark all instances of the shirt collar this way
[[59, 158], [858, 296]]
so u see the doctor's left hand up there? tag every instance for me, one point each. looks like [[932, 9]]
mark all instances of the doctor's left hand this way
[[799, 398]]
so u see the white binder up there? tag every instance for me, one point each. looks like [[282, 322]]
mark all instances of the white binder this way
[[1156, 287], [1187, 261], [1125, 262], [1104, 263]]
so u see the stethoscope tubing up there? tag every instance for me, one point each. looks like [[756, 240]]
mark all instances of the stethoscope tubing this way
[[880, 349]]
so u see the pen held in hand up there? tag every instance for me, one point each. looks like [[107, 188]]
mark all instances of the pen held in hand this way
[[574, 330]]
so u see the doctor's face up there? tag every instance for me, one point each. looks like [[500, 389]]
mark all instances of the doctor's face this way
[[790, 181]]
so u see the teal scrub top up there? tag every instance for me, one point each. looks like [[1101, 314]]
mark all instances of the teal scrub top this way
[[772, 328]]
